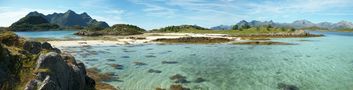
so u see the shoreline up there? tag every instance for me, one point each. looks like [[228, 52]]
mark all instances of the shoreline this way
[[126, 40], [109, 40]]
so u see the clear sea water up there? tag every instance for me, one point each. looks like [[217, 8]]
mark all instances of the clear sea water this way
[[49, 34], [323, 63]]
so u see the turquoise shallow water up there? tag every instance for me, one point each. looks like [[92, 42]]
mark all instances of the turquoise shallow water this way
[[324, 63], [49, 34]]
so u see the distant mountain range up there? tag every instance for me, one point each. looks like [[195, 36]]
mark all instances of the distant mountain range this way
[[70, 19], [299, 24]]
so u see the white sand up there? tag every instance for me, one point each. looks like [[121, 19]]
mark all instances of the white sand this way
[[148, 39]]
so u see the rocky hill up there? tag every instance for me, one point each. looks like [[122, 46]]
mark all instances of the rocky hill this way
[[179, 28], [30, 65], [33, 23], [117, 29], [69, 19], [222, 27], [298, 24]]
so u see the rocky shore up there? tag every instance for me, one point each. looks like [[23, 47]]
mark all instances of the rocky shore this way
[[201, 40], [33, 65]]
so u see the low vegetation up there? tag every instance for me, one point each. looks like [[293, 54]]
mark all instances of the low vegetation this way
[[180, 28], [118, 29], [247, 31], [17, 66]]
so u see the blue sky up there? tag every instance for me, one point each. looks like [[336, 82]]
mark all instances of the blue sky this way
[[159, 13]]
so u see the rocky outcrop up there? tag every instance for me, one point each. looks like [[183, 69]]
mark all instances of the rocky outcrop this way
[[36, 47], [194, 40], [56, 71], [31, 65], [117, 29]]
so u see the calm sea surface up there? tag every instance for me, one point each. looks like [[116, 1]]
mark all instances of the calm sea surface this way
[[323, 63], [49, 34]]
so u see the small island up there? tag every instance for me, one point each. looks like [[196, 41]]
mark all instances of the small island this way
[[117, 29]]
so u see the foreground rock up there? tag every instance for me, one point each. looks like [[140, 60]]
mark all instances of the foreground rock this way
[[56, 71], [32, 65]]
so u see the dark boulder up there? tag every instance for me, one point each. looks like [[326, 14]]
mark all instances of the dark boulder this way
[[47, 46], [61, 72], [32, 47]]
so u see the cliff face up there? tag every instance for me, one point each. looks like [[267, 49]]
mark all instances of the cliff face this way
[[33, 65]]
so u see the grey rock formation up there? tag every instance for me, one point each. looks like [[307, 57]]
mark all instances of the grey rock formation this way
[[32, 47], [46, 45], [302, 24], [60, 72]]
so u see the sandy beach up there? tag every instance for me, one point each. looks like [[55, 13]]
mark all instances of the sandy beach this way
[[137, 39]]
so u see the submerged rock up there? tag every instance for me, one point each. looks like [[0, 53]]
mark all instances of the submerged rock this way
[[125, 56], [283, 86], [150, 56], [177, 76], [179, 79], [178, 87], [110, 59], [158, 88], [139, 63], [117, 66], [199, 80], [169, 62], [263, 43], [154, 71]]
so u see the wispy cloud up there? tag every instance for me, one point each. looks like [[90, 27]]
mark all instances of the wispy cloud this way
[[152, 8], [104, 11]]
